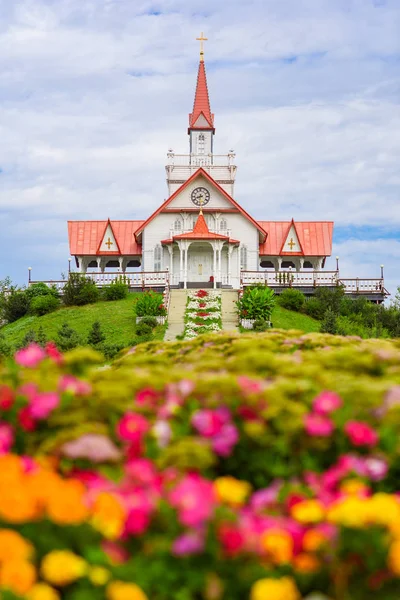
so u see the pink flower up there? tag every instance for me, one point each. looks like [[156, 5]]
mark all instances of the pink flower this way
[[188, 544], [146, 396], [250, 386], [185, 387], [69, 383], [25, 420], [194, 499], [327, 402], [30, 356], [42, 404], [141, 470], [266, 497], [231, 538], [376, 468], [224, 442], [53, 353], [93, 446], [361, 434], [6, 437], [318, 425], [139, 507], [132, 427], [207, 422], [162, 432]]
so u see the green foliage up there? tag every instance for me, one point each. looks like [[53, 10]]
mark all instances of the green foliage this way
[[79, 290], [42, 305], [5, 348], [96, 335], [41, 337], [314, 308], [67, 338], [143, 329], [330, 297], [16, 305], [150, 321], [118, 290], [292, 299], [261, 325], [329, 324], [150, 304], [257, 303], [41, 289]]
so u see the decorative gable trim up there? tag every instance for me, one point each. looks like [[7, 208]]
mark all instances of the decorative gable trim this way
[[109, 242], [291, 244]]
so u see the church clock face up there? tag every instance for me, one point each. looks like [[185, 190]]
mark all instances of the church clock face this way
[[200, 196]]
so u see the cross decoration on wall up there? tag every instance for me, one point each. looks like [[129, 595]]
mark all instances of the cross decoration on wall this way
[[109, 243], [291, 244]]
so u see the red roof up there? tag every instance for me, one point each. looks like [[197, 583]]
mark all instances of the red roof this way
[[200, 232], [85, 237], [315, 237], [204, 173], [201, 105]]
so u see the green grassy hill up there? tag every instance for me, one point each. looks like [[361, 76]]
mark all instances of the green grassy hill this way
[[118, 322]]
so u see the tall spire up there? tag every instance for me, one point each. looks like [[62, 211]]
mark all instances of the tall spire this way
[[201, 117]]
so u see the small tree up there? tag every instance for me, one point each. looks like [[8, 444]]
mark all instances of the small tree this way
[[329, 323], [16, 305], [41, 337], [67, 338], [96, 335]]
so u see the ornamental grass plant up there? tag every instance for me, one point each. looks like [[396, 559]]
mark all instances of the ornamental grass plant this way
[[227, 467]]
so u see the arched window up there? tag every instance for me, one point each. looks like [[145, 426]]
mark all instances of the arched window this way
[[243, 258], [201, 142], [158, 258], [223, 225], [178, 225]]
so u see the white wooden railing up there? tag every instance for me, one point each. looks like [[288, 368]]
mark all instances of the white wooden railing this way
[[201, 160], [134, 280], [312, 279]]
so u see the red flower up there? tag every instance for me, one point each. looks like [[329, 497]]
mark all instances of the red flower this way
[[231, 539], [26, 420], [201, 294], [203, 314], [6, 397]]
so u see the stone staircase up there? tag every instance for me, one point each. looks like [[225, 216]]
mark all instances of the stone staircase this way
[[176, 313], [229, 310]]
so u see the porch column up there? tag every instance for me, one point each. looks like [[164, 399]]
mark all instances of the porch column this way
[[230, 250], [98, 263], [301, 262], [215, 266], [180, 262], [220, 263], [185, 267], [121, 262], [171, 263]]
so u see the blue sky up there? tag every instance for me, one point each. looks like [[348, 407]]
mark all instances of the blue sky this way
[[94, 92]]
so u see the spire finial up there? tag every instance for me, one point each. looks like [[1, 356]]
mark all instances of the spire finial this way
[[201, 39]]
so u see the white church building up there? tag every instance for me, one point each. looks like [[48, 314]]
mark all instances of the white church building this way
[[201, 236]]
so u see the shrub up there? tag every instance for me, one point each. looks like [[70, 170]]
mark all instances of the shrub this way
[[110, 351], [16, 306], [96, 335], [150, 304], [41, 337], [261, 325], [150, 321], [5, 347], [143, 329], [41, 289], [67, 338], [257, 303], [329, 324], [41, 305], [116, 291], [314, 308], [292, 299], [330, 297], [79, 290]]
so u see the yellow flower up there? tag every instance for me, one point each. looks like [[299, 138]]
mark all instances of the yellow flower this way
[[308, 511], [351, 511], [275, 589], [119, 590], [108, 515], [13, 546], [394, 558], [61, 567], [42, 591], [278, 544], [17, 576], [99, 575], [353, 487], [384, 509], [231, 490]]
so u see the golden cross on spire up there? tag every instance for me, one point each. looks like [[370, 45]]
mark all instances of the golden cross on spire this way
[[201, 39]]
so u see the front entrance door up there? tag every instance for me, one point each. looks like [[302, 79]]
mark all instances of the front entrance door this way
[[199, 266]]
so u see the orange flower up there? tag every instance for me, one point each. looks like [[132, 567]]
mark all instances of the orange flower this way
[[17, 576], [42, 591], [13, 546], [17, 504], [119, 590], [42, 484], [108, 515], [394, 558], [313, 540], [306, 563], [66, 505], [278, 544], [11, 468]]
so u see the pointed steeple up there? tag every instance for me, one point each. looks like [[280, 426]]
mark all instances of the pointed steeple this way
[[201, 224], [201, 117]]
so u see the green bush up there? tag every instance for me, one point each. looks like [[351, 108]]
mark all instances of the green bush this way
[[41, 305], [314, 308], [257, 303], [329, 324], [150, 304], [41, 289], [150, 321], [96, 335], [143, 329], [79, 290], [330, 297], [110, 351], [261, 325], [116, 291], [292, 299], [5, 348], [16, 306], [67, 338]]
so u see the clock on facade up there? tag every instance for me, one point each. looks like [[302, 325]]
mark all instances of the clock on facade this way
[[200, 196]]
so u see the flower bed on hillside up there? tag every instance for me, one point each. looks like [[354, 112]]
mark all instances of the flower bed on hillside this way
[[227, 467], [203, 313]]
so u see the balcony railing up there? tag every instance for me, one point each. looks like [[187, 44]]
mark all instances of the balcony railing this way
[[134, 280], [313, 279], [201, 160]]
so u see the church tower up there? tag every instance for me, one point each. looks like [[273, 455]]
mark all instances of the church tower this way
[[201, 142]]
